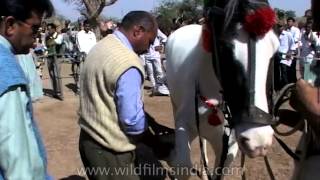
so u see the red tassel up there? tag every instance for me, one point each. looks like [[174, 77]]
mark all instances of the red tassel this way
[[260, 21], [213, 119], [206, 38]]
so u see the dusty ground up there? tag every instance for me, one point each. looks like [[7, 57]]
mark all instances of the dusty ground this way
[[58, 123]]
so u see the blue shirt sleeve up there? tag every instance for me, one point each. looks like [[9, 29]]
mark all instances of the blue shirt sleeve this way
[[129, 102], [19, 150]]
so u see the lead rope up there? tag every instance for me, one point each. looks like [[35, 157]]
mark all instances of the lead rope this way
[[243, 159], [271, 174], [251, 71]]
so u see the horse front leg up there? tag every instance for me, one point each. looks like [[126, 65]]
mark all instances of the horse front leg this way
[[214, 136], [184, 113]]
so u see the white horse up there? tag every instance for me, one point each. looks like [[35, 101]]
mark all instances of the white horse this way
[[189, 67]]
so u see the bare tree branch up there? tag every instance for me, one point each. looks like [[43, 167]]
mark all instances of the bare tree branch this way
[[110, 2], [93, 7], [99, 10]]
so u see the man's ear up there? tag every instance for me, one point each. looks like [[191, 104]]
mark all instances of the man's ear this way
[[9, 25], [137, 31]]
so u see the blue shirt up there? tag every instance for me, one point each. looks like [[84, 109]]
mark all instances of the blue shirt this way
[[128, 97], [22, 154]]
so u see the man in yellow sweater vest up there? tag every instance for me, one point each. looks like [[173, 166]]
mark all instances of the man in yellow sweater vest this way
[[111, 106]]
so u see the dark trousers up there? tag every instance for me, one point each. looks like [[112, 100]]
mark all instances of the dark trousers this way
[[277, 72], [95, 156], [54, 73], [283, 74]]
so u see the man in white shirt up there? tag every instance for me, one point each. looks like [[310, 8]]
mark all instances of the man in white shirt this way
[[154, 66], [283, 58], [295, 32], [86, 39], [296, 35]]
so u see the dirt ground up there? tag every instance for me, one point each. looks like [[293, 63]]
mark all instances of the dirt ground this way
[[58, 124]]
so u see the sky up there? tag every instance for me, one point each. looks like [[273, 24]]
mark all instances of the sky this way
[[121, 7]]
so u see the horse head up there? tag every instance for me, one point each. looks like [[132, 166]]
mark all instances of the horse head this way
[[242, 47]]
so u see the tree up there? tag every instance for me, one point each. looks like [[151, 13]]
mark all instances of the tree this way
[[91, 10], [290, 13], [282, 15], [171, 14]]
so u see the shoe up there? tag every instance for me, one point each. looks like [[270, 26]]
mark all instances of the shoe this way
[[58, 96]]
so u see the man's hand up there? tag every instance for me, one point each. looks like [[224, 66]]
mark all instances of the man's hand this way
[[305, 99]]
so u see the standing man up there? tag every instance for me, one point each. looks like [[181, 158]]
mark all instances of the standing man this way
[[283, 58], [309, 46], [295, 32], [86, 39], [112, 117], [52, 41], [154, 65], [22, 154], [67, 45]]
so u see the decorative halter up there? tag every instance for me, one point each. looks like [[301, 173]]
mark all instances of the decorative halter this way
[[257, 21]]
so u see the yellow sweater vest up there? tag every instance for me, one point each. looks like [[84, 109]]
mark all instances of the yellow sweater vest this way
[[105, 63]]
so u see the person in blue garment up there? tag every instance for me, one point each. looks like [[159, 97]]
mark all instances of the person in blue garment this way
[[27, 64], [22, 153]]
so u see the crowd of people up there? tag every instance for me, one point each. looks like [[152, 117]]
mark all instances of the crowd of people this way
[[297, 45], [54, 44]]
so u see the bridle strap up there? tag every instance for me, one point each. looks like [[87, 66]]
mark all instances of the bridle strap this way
[[252, 69], [212, 12]]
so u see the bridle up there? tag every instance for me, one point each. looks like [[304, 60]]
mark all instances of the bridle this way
[[256, 115]]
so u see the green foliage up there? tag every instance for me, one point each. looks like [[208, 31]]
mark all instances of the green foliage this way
[[282, 15], [172, 13], [291, 13]]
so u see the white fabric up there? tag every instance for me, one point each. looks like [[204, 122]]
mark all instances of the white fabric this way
[[162, 37], [59, 39], [85, 41], [286, 42], [295, 32]]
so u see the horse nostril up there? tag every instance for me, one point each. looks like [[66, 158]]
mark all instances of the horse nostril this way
[[264, 151], [244, 141]]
